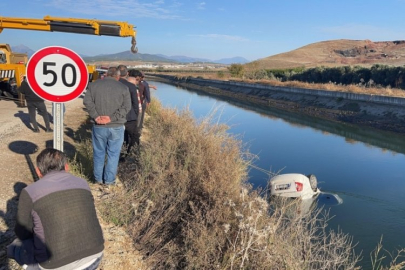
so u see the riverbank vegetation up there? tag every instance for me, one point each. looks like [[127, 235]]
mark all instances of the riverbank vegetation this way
[[186, 204], [377, 80]]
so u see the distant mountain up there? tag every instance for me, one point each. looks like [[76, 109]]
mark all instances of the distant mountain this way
[[127, 56], [22, 49], [185, 59], [233, 60], [225, 61]]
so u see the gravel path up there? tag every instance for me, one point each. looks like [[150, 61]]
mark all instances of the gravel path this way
[[18, 149]]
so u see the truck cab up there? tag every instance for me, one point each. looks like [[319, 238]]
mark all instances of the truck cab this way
[[12, 70]]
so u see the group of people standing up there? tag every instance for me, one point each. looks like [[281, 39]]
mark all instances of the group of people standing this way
[[117, 105], [57, 225]]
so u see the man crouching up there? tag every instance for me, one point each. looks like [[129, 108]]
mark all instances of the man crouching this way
[[57, 225]]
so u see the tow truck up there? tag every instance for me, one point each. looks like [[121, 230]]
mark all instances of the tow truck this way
[[12, 65]]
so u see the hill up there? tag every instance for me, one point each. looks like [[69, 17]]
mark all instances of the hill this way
[[333, 53], [127, 56], [233, 60], [22, 49], [225, 61]]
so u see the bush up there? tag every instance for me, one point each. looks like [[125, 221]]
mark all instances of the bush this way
[[236, 70], [181, 183], [220, 74]]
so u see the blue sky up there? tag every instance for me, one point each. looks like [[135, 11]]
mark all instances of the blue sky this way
[[212, 29]]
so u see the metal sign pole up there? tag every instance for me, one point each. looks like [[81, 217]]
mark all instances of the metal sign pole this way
[[58, 126]]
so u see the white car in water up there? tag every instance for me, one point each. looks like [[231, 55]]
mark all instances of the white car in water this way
[[294, 185]]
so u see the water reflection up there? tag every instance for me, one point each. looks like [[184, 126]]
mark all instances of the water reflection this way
[[353, 134]]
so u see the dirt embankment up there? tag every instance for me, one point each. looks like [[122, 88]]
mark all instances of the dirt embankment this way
[[359, 113]]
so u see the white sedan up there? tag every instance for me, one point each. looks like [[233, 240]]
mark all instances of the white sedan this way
[[294, 185]]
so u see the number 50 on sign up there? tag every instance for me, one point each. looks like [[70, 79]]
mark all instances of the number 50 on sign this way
[[57, 74]]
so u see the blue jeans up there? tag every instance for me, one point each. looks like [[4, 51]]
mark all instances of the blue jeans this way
[[106, 141]]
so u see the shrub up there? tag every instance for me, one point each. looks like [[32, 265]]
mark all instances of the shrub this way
[[181, 183], [220, 74], [236, 70]]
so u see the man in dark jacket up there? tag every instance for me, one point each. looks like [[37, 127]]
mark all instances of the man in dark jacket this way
[[57, 224], [108, 103], [131, 134], [145, 98], [34, 103]]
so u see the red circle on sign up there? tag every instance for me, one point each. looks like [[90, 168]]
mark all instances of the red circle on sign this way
[[32, 81]]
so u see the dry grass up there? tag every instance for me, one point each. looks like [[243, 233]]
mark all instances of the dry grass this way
[[392, 92], [182, 179], [304, 240], [380, 256]]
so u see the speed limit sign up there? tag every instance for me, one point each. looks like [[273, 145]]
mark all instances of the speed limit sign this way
[[57, 74]]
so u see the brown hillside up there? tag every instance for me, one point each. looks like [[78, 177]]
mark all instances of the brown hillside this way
[[341, 52]]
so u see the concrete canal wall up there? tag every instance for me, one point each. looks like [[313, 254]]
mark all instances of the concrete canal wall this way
[[261, 90], [379, 112]]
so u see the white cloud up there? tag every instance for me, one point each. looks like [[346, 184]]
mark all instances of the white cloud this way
[[201, 5], [221, 37], [175, 4], [121, 8], [360, 31]]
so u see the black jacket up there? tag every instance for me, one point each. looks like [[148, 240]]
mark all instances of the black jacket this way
[[133, 113], [30, 96]]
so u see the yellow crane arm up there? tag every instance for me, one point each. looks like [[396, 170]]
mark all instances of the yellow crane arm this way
[[72, 25]]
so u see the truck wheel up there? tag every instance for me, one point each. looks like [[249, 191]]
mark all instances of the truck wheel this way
[[313, 182]]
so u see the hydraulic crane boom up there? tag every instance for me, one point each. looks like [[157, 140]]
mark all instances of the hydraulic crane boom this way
[[72, 25]]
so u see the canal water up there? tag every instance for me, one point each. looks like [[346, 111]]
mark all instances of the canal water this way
[[365, 168]]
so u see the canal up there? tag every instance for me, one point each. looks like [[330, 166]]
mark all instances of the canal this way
[[365, 168]]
